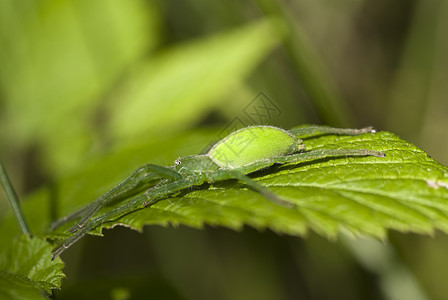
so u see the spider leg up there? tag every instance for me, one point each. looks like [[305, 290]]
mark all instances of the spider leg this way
[[265, 192], [156, 194], [308, 156], [144, 174], [324, 153], [316, 129], [94, 222], [304, 157], [294, 158], [150, 197], [71, 216]]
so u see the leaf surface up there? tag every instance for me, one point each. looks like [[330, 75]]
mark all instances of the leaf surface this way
[[405, 191], [18, 287], [27, 266]]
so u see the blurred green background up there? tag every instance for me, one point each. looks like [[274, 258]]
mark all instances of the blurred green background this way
[[83, 80]]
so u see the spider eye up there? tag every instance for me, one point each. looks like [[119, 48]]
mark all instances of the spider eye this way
[[177, 162]]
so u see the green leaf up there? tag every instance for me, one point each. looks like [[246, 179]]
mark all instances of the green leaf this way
[[177, 87], [60, 60], [405, 191], [18, 287], [28, 263]]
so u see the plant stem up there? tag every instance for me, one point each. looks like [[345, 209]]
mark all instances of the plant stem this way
[[13, 200]]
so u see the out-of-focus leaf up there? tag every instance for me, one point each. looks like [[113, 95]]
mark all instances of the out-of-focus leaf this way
[[57, 60], [176, 88], [29, 260], [18, 287]]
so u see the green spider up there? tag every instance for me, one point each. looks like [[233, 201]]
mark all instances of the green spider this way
[[242, 152]]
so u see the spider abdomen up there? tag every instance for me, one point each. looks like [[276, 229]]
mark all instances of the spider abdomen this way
[[252, 144]]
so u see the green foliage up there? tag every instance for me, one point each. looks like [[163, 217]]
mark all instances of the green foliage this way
[[59, 61], [18, 287], [88, 89], [26, 269], [170, 80], [168, 90], [405, 191]]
